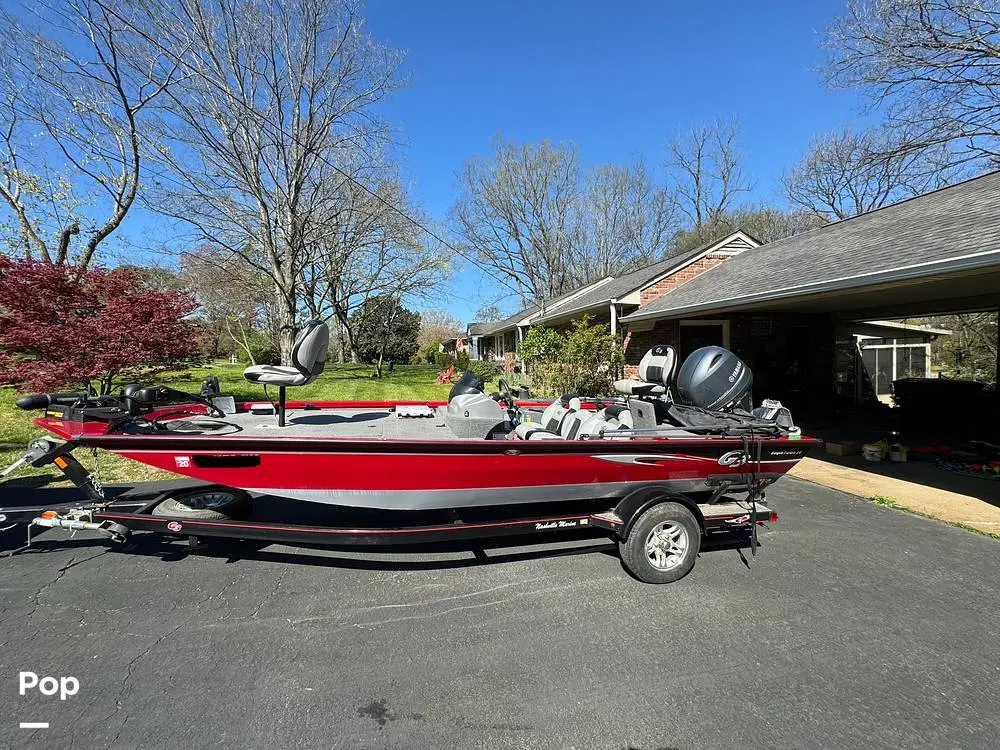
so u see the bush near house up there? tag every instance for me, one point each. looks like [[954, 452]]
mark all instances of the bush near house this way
[[585, 359]]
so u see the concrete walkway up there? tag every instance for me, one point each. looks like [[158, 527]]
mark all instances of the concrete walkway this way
[[933, 501]]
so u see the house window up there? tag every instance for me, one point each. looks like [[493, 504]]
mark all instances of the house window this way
[[886, 362], [698, 333]]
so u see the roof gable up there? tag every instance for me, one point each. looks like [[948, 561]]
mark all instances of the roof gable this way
[[622, 288]]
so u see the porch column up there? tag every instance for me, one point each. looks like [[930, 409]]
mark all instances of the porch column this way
[[614, 319]]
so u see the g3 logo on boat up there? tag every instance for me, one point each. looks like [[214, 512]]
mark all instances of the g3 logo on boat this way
[[733, 458]]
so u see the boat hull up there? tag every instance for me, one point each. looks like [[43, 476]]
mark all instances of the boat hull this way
[[438, 475]]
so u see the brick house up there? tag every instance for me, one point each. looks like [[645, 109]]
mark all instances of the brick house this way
[[611, 299], [493, 340], [806, 311]]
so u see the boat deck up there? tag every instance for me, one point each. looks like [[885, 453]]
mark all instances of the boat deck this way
[[328, 423]]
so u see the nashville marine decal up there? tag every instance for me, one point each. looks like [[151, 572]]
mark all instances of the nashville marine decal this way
[[556, 525]]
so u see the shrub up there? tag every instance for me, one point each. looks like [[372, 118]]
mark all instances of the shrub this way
[[586, 360], [427, 354], [263, 349], [64, 326], [484, 368], [541, 344]]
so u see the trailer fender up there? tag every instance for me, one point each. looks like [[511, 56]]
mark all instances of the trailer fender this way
[[639, 501]]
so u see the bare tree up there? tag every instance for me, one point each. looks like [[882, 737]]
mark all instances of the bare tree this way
[[933, 65], [489, 314], [629, 220], [275, 94], [437, 325], [847, 173], [518, 215], [707, 165], [763, 223], [235, 300], [72, 88], [363, 251]]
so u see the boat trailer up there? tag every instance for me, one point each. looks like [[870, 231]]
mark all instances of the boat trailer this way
[[650, 524]]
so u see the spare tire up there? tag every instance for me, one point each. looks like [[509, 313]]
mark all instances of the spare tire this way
[[206, 503]]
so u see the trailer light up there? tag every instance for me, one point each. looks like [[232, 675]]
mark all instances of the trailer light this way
[[49, 514], [773, 518], [61, 462]]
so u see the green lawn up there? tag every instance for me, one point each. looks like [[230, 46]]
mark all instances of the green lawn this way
[[337, 383]]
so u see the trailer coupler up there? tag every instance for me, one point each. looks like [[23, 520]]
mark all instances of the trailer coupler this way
[[78, 520]]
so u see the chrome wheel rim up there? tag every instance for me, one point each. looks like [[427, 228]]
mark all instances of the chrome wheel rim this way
[[208, 500], [667, 545]]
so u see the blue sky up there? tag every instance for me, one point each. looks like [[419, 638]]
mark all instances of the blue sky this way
[[616, 79]]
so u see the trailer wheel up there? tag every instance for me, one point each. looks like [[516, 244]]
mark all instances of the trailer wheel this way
[[210, 504], [662, 545]]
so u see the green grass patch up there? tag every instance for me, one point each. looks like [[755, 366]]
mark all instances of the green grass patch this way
[[337, 383], [888, 502]]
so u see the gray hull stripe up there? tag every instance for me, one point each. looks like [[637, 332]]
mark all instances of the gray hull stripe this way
[[472, 498]]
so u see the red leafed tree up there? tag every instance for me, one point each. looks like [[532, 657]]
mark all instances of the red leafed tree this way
[[62, 326]]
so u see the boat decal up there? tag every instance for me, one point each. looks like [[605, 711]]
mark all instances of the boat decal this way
[[733, 458], [647, 458]]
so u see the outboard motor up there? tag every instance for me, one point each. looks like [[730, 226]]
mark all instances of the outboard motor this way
[[715, 379], [470, 412]]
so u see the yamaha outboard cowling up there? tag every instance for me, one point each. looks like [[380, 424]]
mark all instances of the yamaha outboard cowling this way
[[714, 378]]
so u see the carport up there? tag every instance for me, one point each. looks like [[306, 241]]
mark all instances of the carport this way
[[787, 307]]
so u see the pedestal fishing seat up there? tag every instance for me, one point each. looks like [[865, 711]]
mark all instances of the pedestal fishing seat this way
[[308, 359]]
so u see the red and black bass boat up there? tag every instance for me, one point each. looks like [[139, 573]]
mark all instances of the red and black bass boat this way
[[690, 435]]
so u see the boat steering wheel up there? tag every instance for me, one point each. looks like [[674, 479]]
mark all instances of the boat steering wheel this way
[[506, 393]]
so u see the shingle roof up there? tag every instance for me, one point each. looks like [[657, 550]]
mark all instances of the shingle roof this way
[[949, 223], [623, 285], [484, 329]]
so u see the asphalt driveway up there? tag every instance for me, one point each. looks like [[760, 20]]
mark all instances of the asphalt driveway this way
[[856, 626]]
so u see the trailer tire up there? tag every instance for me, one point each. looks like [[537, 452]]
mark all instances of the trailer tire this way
[[662, 544], [208, 504]]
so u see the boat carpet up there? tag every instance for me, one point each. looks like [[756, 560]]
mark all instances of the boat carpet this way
[[327, 423]]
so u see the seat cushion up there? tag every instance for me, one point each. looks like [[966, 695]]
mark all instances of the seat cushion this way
[[531, 431], [553, 416], [591, 425], [274, 375], [639, 388]]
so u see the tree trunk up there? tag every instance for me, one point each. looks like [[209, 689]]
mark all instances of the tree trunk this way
[[347, 341], [286, 326]]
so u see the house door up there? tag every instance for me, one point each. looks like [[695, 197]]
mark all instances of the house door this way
[[701, 334]]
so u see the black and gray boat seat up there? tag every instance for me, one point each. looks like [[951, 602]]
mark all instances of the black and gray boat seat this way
[[308, 357], [550, 425], [656, 373], [572, 422], [618, 416], [309, 353]]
